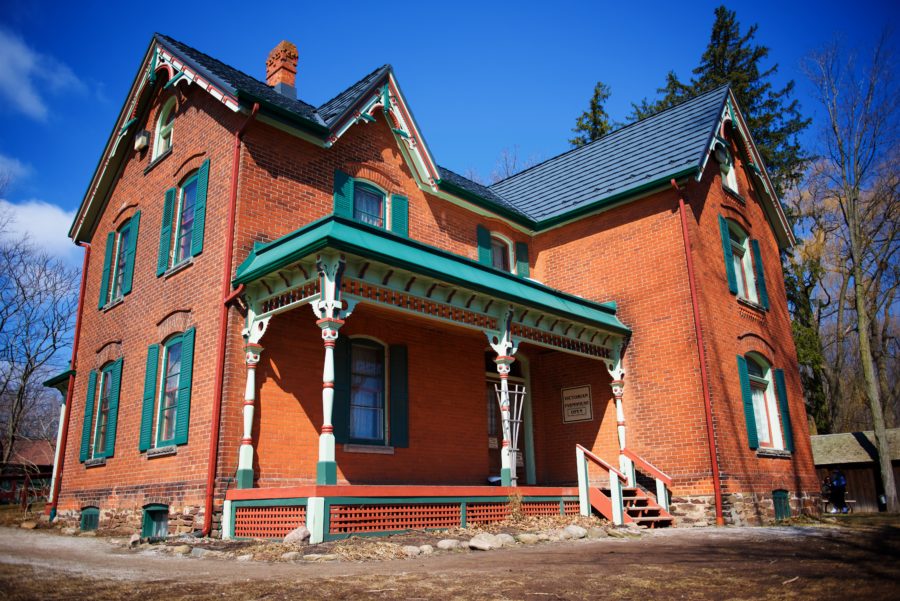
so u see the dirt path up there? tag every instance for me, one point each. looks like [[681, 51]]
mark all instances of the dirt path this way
[[731, 563]]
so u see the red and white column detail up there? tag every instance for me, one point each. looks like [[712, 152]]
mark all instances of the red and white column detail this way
[[252, 352], [503, 344]]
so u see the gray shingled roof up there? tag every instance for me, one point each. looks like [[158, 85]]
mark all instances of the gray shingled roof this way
[[334, 108], [477, 189], [851, 447], [654, 148]]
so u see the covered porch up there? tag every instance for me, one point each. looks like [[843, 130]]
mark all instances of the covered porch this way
[[439, 376]]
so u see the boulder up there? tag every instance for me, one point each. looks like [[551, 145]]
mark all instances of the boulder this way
[[561, 534], [182, 550], [88, 533], [426, 549], [247, 557], [69, 531], [448, 544], [321, 556], [505, 540], [596, 532], [411, 550], [484, 542], [134, 541], [290, 555], [576, 531], [297, 536], [28, 525], [526, 538]]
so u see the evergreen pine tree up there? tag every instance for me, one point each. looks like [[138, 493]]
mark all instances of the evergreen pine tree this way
[[772, 115], [593, 123]]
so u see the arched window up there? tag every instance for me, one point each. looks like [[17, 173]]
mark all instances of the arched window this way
[[742, 262], [726, 166], [101, 408], [500, 254], [163, 141], [184, 223], [368, 204], [765, 407], [166, 408], [367, 391], [168, 395]]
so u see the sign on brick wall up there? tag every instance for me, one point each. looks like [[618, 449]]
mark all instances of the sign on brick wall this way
[[576, 404]]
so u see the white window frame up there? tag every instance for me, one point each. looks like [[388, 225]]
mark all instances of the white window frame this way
[[510, 255], [194, 178], [97, 449], [385, 203], [162, 129], [386, 405], [729, 173], [158, 441], [740, 249], [772, 417]]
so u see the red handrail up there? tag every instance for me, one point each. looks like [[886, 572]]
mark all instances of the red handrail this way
[[648, 467], [602, 463]]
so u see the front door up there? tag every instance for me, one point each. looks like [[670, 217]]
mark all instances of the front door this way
[[495, 429]]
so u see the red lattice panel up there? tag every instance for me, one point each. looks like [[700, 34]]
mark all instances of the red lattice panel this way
[[268, 522], [541, 508], [572, 507], [346, 519], [487, 513]]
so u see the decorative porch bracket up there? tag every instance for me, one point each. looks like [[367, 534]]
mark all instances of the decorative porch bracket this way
[[505, 347], [331, 313], [617, 372]]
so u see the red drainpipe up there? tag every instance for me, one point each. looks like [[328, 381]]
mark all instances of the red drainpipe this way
[[227, 297], [707, 403], [71, 389]]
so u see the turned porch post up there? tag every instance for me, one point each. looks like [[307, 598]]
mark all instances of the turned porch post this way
[[617, 372], [503, 345], [252, 352]]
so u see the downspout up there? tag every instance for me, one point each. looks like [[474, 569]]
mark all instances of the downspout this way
[[227, 297], [64, 431], [704, 379]]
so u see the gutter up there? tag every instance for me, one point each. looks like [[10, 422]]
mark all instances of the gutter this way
[[227, 297], [64, 426], [701, 354]]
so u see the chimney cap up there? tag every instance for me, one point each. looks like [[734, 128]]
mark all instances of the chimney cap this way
[[281, 68]]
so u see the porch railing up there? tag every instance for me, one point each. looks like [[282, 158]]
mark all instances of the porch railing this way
[[612, 505], [663, 480]]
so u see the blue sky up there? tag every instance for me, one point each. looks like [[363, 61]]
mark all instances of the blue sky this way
[[480, 77]]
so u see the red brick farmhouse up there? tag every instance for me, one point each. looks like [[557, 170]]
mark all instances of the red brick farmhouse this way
[[293, 315]]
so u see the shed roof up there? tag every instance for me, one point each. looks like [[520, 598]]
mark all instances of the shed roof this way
[[851, 447]]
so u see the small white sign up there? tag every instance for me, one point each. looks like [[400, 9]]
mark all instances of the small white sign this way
[[577, 405]]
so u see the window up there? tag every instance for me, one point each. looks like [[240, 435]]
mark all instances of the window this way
[[782, 504], [163, 141], [499, 254], [743, 264], [165, 412], [183, 222], [727, 168], [765, 404], [367, 392], [90, 518], [368, 204], [101, 408], [118, 263], [155, 523]]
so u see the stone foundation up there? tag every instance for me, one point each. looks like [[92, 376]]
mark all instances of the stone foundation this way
[[182, 520], [738, 509]]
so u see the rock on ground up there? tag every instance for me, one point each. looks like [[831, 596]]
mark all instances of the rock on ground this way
[[135, 540], [527, 538], [248, 557], [297, 536], [448, 544], [576, 531], [290, 555], [182, 549], [596, 532], [411, 550], [505, 540], [426, 549], [321, 556], [28, 525], [484, 542]]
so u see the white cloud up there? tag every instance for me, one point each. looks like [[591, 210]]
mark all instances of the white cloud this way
[[12, 169], [25, 75], [43, 224]]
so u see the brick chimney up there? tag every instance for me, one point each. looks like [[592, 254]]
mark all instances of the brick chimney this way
[[281, 69]]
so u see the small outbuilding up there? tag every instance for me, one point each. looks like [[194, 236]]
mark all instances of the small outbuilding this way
[[855, 454]]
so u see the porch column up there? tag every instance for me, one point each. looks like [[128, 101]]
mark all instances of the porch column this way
[[503, 344], [252, 352], [331, 312], [326, 468], [618, 389]]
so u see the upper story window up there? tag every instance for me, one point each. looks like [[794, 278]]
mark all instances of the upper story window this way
[[765, 404], [743, 264], [367, 392], [118, 263], [368, 204], [164, 126], [183, 221], [365, 202], [500, 254], [101, 408], [167, 392], [727, 168]]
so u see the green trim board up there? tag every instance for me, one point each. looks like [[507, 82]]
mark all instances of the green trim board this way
[[374, 243], [58, 379]]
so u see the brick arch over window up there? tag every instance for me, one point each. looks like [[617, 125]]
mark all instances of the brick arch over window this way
[[175, 322], [126, 211], [376, 175], [737, 215], [751, 342], [110, 351], [188, 167]]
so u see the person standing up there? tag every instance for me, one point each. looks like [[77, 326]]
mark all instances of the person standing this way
[[838, 492]]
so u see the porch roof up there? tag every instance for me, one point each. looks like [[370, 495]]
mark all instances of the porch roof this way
[[380, 245]]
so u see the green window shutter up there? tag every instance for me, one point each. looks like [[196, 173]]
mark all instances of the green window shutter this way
[[132, 249], [88, 427], [400, 215], [107, 264], [483, 235], [343, 194], [340, 413], [149, 402], [729, 259], [183, 412], [522, 259], [760, 275], [399, 397], [200, 209], [785, 410], [116, 374], [747, 396], [165, 233]]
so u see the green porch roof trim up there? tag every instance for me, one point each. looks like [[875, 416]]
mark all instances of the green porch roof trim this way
[[370, 242], [59, 380]]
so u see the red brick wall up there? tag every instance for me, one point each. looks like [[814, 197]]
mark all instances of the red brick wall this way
[[129, 479]]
